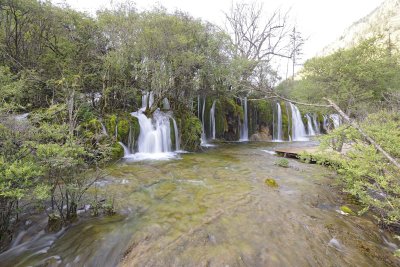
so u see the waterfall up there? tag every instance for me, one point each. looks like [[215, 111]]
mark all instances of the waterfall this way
[[325, 122], [154, 141], [145, 99], [316, 124], [131, 140], [103, 129], [244, 130], [212, 120], [298, 129], [127, 152], [203, 132], [154, 137], [277, 126], [166, 105], [151, 99], [116, 131], [177, 141], [336, 120], [310, 128]]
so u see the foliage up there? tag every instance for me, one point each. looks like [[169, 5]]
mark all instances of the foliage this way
[[365, 172], [356, 78]]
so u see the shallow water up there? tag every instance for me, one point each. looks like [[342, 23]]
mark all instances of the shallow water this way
[[214, 209]]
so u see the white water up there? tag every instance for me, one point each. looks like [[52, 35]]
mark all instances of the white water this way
[[278, 124], [244, 130], [203, 132], [325, 122], [310, 127], [212, 120], [154, 141], [336, 120], [316, 124], [177, 140], [103, 129], [298, 129], [166, 105]]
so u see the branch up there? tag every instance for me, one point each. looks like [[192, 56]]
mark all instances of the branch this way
[[361, 131]]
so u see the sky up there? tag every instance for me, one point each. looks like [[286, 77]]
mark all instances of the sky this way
[[319, 21]]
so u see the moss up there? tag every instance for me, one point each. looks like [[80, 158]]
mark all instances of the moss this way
[[117, 151], [282, 163], [190, 128], [346, 209], [285, 121], [271, 182], [110, 124]]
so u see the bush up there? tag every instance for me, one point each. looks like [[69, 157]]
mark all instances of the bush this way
[[282, 163]]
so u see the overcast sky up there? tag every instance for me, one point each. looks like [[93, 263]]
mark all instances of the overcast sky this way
[[319, 21]]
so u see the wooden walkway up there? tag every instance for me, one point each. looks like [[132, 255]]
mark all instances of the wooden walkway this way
[[293, 152]]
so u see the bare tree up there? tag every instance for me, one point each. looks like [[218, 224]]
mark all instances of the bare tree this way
[[261, 39]]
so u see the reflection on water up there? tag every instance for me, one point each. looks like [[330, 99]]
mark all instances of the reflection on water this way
[[214, 209]]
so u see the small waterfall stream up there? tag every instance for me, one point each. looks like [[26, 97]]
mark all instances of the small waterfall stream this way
[[212, 120], [277, 126], [298, 129], [316, 124], [244, 130], [336, 120], [203, 130], [310, 126]]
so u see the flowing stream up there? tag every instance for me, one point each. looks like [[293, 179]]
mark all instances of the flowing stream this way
[[214, 209]]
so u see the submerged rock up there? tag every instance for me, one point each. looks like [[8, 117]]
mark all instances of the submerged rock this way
[[271, 182], [346, 210], [335, 244]]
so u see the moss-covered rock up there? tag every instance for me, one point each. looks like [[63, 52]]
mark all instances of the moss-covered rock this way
[[346, 209], [54, 223], [271, 182], [190, 129], [117, 151]]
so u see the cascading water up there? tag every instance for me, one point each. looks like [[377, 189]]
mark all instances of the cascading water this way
[[212, 120], [103, 129], [316, 124], [177, 143], [203, 131], [244, 130], [310, 128], [166, 105], [325, 122], [278, 124], [298, 129], [154, 141], [336, 120]]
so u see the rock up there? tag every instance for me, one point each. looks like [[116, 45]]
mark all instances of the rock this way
[[271, 182], [262, 135], [346, 209], [54, 223]]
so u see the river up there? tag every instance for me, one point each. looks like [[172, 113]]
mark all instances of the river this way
[[215, 209]]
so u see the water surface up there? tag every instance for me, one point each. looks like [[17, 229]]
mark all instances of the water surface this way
[[214, 209]]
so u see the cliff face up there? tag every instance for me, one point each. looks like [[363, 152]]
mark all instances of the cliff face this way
[[384, 20]]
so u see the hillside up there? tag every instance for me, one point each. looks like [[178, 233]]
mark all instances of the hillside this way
[[384, 20]]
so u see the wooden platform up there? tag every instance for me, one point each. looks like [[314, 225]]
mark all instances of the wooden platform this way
[[293, 152]]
